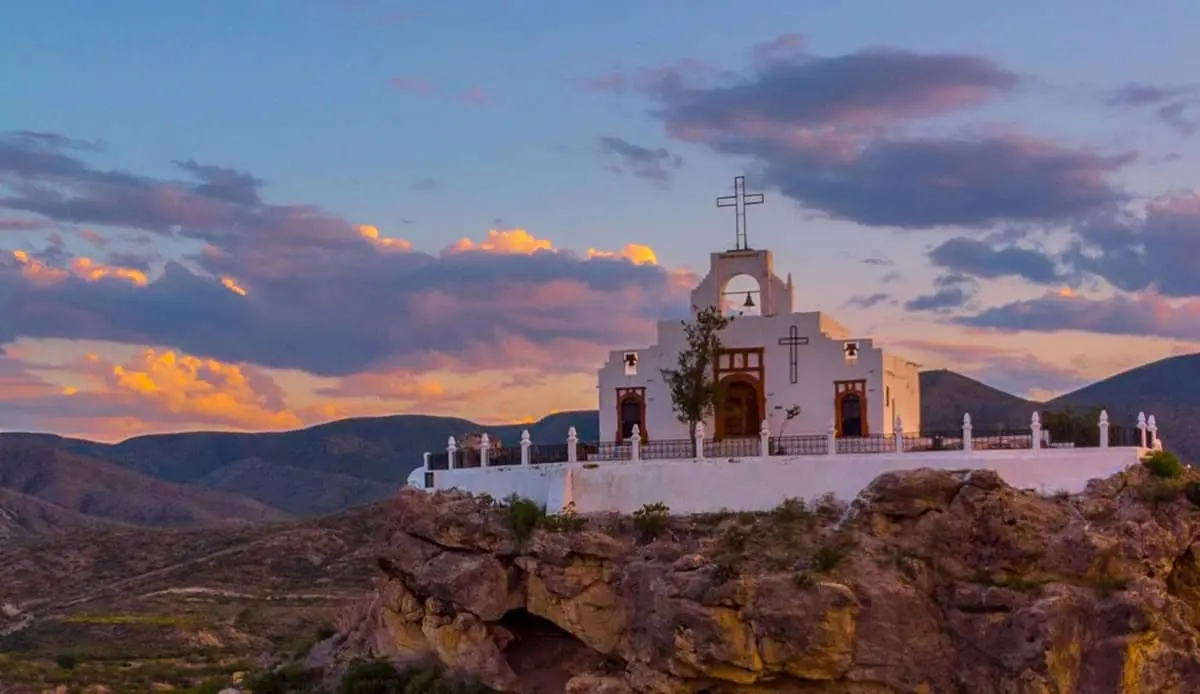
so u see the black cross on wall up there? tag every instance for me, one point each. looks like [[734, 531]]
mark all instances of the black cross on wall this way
[[793, 340]]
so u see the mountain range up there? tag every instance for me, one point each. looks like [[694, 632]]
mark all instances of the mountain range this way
[[49, 482]]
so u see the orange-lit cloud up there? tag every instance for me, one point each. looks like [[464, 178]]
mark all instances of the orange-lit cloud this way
[[184, 388], [515, 241], [232, 285], [372, 234], [82, 267], [635, 253]]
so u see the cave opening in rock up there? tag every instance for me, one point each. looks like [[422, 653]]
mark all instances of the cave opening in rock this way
[[542, 654]]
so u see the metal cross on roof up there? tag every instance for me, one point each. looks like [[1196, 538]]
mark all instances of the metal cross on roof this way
[[739, 200]]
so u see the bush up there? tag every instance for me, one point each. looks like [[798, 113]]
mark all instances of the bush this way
[[792, 510], [651, 520], [568, 520], [291, 679], [67, 661], [1163, 464], [523, 516], [381, 677]]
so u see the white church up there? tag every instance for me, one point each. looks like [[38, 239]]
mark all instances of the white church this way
[[774, 358], [838, 387]]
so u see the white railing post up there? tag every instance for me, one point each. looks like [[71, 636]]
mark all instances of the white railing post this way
[[831, 438], [1035, 426], [898, 432], [699, 440], [485, 448], [1141, 425], [968, 442], [525, 444], [425, 461], [1104, 428], [1152, 427], [451, 449], [572, 445], [635, 444], [764, 441]]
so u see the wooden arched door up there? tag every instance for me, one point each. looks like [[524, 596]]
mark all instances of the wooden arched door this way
[[739, 409]]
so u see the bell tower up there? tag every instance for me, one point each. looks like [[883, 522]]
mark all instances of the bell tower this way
[[774, 295]]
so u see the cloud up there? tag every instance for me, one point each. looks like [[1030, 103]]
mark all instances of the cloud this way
[[950, 292], [863, 88], [782, 47], [867, 301], [1147, 315], [413, 85], [1173, 104], [293, 286], [969, 256], [154, 388], [424, 184], [830, 133], [649, 164], [23, 225], [1157, 250]]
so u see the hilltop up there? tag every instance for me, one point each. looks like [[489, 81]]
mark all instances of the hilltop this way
[[332, 466]]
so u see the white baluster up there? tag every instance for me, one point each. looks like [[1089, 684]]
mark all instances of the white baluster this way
[[1152, 427], [1035, 426], [572, 445], [525, 444], [968, 442], [635, 444], [1104, 428], [451, 449], [831, 438], [764, 441], [485, 447], [1141, 425], [898, 433], [699, 440]]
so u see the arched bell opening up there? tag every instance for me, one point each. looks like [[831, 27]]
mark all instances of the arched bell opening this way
[[742, 296]]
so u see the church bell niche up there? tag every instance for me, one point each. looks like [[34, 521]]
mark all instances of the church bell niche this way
[[850, 352], [631, 360]]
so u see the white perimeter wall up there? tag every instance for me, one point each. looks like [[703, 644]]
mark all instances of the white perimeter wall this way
[[691, 486]]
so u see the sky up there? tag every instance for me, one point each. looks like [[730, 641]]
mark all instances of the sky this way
[[260, 216]]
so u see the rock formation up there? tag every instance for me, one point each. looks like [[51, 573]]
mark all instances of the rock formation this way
[[930, 582]]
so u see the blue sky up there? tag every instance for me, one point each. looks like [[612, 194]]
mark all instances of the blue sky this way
[[438, 121]]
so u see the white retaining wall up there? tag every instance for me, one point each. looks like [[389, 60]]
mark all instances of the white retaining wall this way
[[754, 484]]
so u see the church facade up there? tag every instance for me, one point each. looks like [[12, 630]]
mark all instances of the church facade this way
[[770, 363]]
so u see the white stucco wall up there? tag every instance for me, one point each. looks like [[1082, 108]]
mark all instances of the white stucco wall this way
[[821, 362], [690, 486]]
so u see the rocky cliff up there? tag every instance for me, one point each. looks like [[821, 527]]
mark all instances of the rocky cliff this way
[[930, 582]]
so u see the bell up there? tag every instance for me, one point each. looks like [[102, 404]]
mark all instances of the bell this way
[[749, 302]]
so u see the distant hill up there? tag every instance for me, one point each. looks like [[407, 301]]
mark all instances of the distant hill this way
[[44, 487], [946, 396], [332, 466]]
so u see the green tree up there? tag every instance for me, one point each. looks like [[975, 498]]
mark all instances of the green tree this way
[[692, 383]]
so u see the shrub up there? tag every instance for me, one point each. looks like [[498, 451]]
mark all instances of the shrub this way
[[567, 520], [1163, 464], [67, 661], [523, 516], [325, 631], [828, 556], [381, 677], [291, 679], [791, 510], [1192, 491], [651, 520]]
